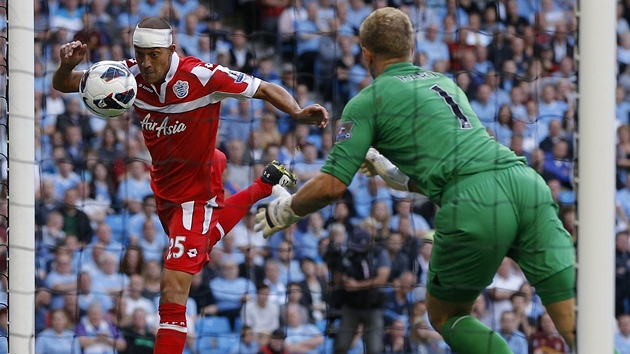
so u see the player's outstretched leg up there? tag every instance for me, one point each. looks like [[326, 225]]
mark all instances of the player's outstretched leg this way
[[237, 205]]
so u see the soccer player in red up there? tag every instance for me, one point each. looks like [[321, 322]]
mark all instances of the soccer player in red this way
[[178, 102]]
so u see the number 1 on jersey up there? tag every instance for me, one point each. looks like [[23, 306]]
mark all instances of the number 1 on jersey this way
[[464, 123]]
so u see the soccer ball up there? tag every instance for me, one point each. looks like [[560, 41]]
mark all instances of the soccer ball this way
[[108, 88]]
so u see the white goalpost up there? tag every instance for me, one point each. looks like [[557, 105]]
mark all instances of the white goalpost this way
[[21, 232], [595, 185], [595, 181]]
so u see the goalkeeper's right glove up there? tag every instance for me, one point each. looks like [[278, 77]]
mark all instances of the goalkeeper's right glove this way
[[377, 164]]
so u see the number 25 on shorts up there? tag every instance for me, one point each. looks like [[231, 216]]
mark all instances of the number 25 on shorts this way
[[176, 247]]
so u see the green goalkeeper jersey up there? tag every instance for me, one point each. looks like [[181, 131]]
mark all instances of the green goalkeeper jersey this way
[[422, 122]]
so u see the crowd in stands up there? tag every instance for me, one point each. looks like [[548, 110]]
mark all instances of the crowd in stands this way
[[100, 244]]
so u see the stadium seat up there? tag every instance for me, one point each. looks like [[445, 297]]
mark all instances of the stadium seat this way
[[321, 325], [225, 343], [118, 224], [238, 324], [212, 326]]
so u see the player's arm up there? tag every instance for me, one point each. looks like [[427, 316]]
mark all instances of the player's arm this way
[[317, 193], [65, 78], [279, 97]]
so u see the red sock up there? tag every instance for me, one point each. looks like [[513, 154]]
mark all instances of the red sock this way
[[171, 337], [237, 205]]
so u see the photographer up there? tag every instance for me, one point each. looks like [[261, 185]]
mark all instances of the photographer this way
[[363, 271]]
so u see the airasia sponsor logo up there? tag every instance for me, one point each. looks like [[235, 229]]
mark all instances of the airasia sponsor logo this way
[[163, 128]]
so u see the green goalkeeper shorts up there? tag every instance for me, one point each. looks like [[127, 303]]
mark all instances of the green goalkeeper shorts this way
[[487, 216]]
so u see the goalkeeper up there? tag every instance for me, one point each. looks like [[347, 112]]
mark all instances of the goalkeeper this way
[[491, 204]]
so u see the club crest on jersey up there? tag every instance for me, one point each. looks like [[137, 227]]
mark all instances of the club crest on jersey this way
[[345, 131], [181, 89], [237, 76]]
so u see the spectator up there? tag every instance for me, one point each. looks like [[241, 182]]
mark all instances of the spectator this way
[[309, 239], [502, 128], [134, 299], [188, 38], [360, 294], [396, 340], [102, 185], [506, 282], [399, 259], [202, 295], [622, 337], [46, 201], [622, 272], [288, 267], [96, 335], [485, 109], [516, 340], [107, 279], [623, 154], [301, 338], [524, 323], [555, 134], [559, 164], [249, 269], [59, 338], [151, 273], [314, 289], [546, 338], [398, 303], [229, 250], [295, 296], [62, 280], [132, 261], [248, 343], [480, 311], [269, 132], [240, 54], [276, 343], [133, 187], [50, 236], [152, 245], [86, 294], [278, 289], [260, 314], [231, 291], [424, 339], [309, 166], [64, 178], [404, 209], [139, 337], [148, 212]]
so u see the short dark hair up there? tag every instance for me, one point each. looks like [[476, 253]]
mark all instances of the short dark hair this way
[[155, 23], [261, 286]]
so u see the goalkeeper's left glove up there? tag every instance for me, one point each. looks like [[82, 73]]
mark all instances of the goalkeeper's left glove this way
[[377, 164], [278, 215]]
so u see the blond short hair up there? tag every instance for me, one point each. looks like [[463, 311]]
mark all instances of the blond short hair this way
[[387, 33]]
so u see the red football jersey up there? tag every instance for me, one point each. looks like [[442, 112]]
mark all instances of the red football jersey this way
[[180, 120]]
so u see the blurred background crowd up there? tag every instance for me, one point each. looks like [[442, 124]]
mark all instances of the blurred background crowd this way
[[99, 241]]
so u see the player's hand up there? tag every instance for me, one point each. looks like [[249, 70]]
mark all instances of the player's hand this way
[[377, 164], [73, 53], [314, 114], [276, 216]]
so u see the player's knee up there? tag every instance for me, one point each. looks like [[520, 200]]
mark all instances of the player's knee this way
[[175, 287], [441, 311]]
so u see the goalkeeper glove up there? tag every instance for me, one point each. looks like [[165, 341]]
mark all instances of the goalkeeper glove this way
[[377, 164], [278, 215]]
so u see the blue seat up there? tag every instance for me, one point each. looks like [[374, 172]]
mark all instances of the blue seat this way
[[216, 343], [321, 325], [118, 223], [213, 326], [238, 324], [225, 343]]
